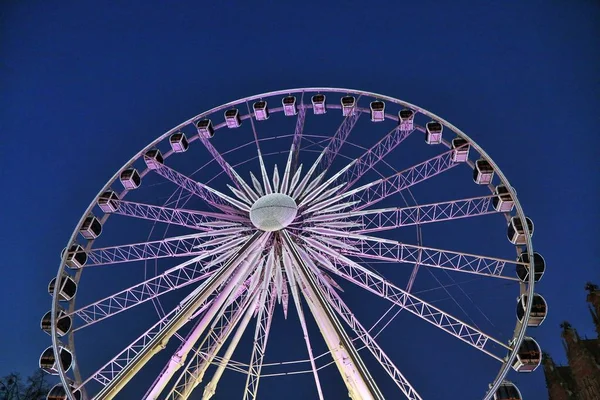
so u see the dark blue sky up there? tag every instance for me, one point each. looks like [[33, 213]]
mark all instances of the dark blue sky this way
[[84, 87]]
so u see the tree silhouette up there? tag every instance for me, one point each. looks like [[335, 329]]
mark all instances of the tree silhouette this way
[[36, 387]]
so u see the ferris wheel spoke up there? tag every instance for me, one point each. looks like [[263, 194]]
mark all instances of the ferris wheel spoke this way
[[376, 284], [218, 157], [297, 139]]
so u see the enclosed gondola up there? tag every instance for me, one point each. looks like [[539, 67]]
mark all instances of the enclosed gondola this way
[[516, 231], [232, 118], [64, 323], [348, 105], [539, 310], [130, 179], [289, 106], [108, 201], [460, 149], [66, 290], [319, 106], [483, 173], [58, 393], [76, 256], [502, 201], [507, 391], [91, 227], [179, 142], [377, 111], [406, 119], [261, 111], [49, 363], [433, 132], [529, 356], [522, 269], [205, 128], [153, 158]]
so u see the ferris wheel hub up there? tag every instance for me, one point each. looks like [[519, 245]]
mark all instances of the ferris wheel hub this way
[[273, 212]]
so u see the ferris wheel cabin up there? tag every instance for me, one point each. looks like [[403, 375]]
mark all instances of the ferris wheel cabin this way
[[433, 132], [539, 310], [63, 323], [58, 393], [205, 128], [502, 201], [289, 106], [153, 159], [319, 106], [178, 142], [539, 267], [406, 118], [507, 391], [91, 227], [348, 105], [130, 179], [529, 356], [232, 118], [50, 364], [377, 111], [516, 231], [108, 201], [66, 290], [261, 111], [76, 256], [460, 149], [483, 173]]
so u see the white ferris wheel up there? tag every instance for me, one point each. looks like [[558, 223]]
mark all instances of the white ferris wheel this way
[[299, 203]]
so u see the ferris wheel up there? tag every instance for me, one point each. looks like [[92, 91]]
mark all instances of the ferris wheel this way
[[297, 203]]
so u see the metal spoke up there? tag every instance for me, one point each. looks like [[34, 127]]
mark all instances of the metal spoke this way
[[297, 139], [338, 140], [219, 158]]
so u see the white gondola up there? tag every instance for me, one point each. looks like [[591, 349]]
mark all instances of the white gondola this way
[[529, 356], [503, 201], [433, 132], [507, 391], [483, 173], [232, 118], [130, 179], [460, 149], [261, 111], [205, 128], [348, 105], [289, 106], [91, 227], [516, 231], [58, 393], [67, 289], [153, 159], [319, 106], [179, 142], [76, 256], [539, 267], [49, 363], [108, 201], [377, 111], [539, 310], [63, 323], [406, 119]]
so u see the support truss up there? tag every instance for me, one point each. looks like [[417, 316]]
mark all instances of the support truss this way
[[218, 158], [337, 141], [297, 140]]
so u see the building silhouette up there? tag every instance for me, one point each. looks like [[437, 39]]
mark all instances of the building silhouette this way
[[580, 379]]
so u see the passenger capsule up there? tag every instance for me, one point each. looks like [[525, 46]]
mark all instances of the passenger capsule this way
[[516, 232], [433, 133], [67, 288], [58, 393], [179, 142], [319, 106], [377, 111], [63, 323], [502, 201], [529, 356], [483, 173], [232, 118], [261, 111], [153, 159], [539, 267], [460, 149], [205, 128], [539, 310], [91, 227], [76, 256], [49, 363], [348, 105], [108, 201], [289, 106], [507, 391], [406, 118], [130, 179]]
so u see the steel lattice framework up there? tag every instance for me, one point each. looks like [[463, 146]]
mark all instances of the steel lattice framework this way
[[301, 233]]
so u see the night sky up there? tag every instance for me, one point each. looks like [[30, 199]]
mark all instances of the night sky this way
[[84, 87]]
